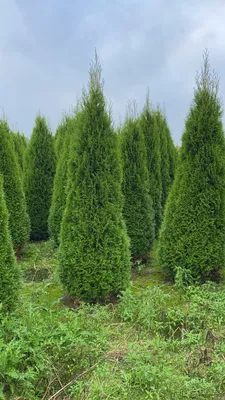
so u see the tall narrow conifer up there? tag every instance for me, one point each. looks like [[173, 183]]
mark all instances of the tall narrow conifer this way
[[168, 155], [9, 272], [192, 238], [20, 145], [60, 182], [151, 132], [39, 171], [94, 246], [138, 208], [19, 223], [172, 153], [60, 136]]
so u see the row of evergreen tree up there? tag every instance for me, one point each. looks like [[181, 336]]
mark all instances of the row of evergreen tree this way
[[102, 180], [100, 194]]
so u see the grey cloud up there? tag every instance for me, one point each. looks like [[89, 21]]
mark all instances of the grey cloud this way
[[46, 48]]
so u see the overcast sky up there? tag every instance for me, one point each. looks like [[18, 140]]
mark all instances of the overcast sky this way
[[46, 47]]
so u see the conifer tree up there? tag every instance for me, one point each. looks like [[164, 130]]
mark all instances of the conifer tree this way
[[168, 156], [9, 272], [20, 145], [151, 132], [138, 208], [60, 182], [39, 171], [161, 125], [94, 246], [19, 223], [61, 135], [192, 238], [172, 153]]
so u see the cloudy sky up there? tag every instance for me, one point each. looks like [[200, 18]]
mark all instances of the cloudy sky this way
[[46, 47]]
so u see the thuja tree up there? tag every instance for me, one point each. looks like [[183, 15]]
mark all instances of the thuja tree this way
[[20, 145], [138, 208], [151, 132], [94, 246], [9, 272], [192, 239], [61, 135], [161, 126], [60, 182], [172, 153], [169, 157], [39, 171], [19, 223]]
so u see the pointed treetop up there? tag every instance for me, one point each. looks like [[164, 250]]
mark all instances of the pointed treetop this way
[[147, 104], [207, 79], [132, 112], [95, 73]]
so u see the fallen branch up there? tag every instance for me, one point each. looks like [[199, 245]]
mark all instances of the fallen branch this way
[[73, 381], [47, 390]]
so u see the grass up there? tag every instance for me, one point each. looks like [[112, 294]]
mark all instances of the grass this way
[[158, 342], [39, 268]]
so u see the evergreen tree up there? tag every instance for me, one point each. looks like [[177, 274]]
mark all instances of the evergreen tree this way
[[172, 153], [61, 135], [192, 239], [168, 156], [150, 129], [39, 171], [94, 246], [9, 272], [19, 223], [60, 182], [161, 125], [20, 145], [138, 208]]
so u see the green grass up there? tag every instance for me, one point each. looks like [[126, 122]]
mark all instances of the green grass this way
[[158, 342], [39, 265]]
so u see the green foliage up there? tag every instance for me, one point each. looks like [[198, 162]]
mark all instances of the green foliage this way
[[60, 136], [193, 235], [157, 343], [39, 171], [94, 247], [145, 307], [138, 209], [46, 343], [20, 145], [60, 182], [172, 155], [9, 271], [161, 124], [151, 132], [19, 224]]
